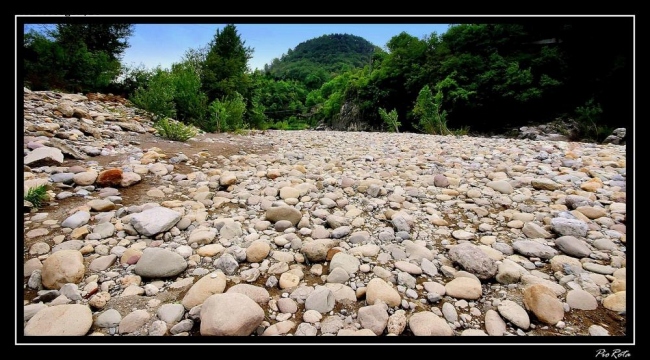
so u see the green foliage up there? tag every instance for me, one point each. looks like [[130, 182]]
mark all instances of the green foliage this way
[[314, 98], [37, 195], [291, 123], [103, 37], [256, 110], [460, 131], [333, 95], [190, 102], [195, 57], [296, 124], [226, 114], [158, 95], [91, 71], [429, 108], [588, 117], [70, 66], [171, 93], [236, 108], [216, 121], [487, 76], [281, 98], [130, 79], [279, 125], [316, 61], [433, 120], [256, 114], [74, 57], [174, 130], [454, 93], [244, 130], [44, 62], [390, 119], [224, 71]]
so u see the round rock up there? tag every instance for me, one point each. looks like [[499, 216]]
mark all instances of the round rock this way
[[379, 289], [494, 324], [256, 293], [582, 300], [615, 302], [284, 213], [62, 267], [544, 304], [514, 313], [205, 287], [572, 246], [475, 261], [464, 288], [426, 323], [76, 220], [60, 320], [347, 262], [257, 251], [219, 319], [160, 263]]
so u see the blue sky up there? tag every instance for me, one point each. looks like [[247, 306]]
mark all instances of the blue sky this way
[[164, 44]]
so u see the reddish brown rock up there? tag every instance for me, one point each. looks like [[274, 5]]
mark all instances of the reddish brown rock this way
[[331, 253], [110, 177]]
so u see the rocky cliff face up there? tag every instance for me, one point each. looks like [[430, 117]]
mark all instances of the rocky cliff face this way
[[349, 119]]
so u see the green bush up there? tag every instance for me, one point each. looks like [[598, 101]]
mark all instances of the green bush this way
[[130, 78], [428, 109], [390, 119], [37, 195], [279, 125], [245, 130], [290, 124], [174, 130], [158, 96], [298, 126], [226, 114], [216, 121], [236, 108], [296, 123], [588, 117], [190, 102], [256, 116], [461, 131]]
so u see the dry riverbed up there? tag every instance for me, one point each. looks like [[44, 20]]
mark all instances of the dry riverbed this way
[[308, 233]]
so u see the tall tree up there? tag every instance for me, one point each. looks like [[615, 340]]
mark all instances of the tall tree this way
[[109, 38], [44, 62], [191, 103], [226, 64], [75, 57]]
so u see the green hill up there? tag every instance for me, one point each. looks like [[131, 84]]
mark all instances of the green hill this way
[[317, 60]]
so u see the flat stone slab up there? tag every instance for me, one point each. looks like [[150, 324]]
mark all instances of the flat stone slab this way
[[155, 220]]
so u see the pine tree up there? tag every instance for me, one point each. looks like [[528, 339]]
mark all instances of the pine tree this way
[[225, 68]]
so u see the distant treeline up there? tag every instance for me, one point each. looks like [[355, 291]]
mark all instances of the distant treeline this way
[[476, 77]]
